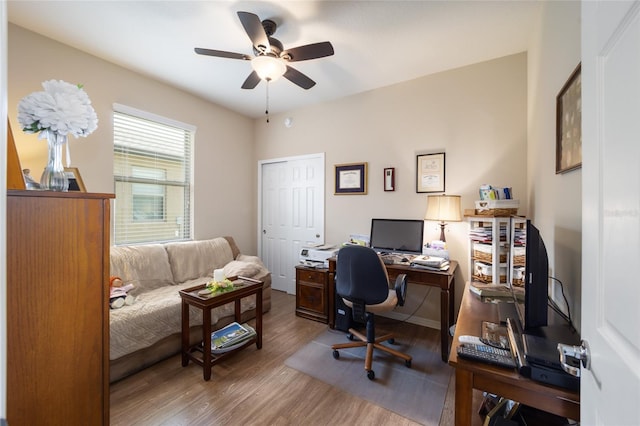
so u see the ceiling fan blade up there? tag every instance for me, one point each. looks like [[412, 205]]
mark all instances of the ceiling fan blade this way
[[255, 30], [222, 54], [298, 78], [251, 81], [309, 51]]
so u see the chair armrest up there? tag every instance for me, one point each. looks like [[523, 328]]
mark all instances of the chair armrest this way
[[401, 288]]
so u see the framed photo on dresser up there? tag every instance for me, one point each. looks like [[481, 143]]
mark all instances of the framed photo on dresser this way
[[75, 180]]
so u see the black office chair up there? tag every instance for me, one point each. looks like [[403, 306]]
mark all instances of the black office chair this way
[[363, 284]]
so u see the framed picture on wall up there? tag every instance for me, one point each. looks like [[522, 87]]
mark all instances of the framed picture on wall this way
[[430, 172], [569, 124], [390, 179], [351, 178], [75, 180]]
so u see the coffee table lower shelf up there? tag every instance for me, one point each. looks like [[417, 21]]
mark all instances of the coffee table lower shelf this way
[[196, 352]]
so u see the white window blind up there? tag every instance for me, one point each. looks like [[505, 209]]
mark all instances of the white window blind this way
[[152, 177]]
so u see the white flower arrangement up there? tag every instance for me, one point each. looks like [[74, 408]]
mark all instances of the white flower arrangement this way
[[62, 108]]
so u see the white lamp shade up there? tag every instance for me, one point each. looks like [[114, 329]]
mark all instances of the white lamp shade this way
[[443, 208], [268, 67]]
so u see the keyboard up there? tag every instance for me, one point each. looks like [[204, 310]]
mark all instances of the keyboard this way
[[487, 354]]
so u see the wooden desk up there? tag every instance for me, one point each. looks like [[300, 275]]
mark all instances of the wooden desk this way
[[445, 281], [500, 381]]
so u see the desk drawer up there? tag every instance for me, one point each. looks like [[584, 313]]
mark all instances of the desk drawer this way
[[311, 275]]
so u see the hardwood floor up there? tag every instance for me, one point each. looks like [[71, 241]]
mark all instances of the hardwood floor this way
[[253, 387]]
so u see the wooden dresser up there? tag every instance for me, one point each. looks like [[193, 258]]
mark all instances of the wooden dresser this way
[[57, 308]]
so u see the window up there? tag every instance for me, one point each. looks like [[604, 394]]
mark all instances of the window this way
[[152, 177], [148, 199]]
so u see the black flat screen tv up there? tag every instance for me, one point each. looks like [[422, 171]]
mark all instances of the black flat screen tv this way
[[533, 312], [397, 235]]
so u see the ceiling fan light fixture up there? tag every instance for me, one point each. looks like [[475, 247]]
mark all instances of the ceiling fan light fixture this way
[[268, 67]]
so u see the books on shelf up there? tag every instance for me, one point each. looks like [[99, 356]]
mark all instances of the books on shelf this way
[[434, 263], [231, 337], [495, 291]]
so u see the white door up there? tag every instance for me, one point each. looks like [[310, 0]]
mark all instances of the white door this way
[[610, 390], [292, 214]]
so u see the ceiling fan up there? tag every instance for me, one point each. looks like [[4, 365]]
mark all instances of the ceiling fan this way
[[271, 59]]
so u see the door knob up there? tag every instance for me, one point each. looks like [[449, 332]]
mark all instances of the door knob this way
[[572, 356]]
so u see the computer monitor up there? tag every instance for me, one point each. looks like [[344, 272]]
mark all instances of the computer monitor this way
[[533, 312], [397, 235]]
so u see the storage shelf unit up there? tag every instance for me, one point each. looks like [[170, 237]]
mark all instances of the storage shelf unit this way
[[518, 237], [489, 244]]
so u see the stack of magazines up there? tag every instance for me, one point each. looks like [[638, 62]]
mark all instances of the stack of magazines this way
[[230, 337], [433, 263]]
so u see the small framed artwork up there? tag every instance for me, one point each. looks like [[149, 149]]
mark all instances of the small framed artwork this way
[[430, 173], [569, 124], [390, 179], [351, 179], [75, 180]]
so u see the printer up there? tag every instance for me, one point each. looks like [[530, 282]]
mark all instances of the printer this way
[[317, 256]]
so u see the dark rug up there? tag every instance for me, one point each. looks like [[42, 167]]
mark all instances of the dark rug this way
[[417, 393]]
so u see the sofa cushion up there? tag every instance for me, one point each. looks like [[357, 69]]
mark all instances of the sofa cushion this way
[[238, 268], [144, 266], [194, 259]]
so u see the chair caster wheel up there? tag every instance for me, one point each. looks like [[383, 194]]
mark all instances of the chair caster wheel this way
[[336, 354], [408, 363], [391, 341], [351, 337], [371, 375]]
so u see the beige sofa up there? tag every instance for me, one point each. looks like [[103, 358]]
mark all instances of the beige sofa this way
[[149, 330]]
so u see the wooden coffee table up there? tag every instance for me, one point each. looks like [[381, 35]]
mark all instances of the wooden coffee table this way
[[200, 353]]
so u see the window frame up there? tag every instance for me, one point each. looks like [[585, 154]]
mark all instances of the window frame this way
[[184, 160]]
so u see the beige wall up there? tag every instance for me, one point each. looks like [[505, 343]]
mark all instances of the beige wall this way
[[555, 201], [224, 174], [476, 115]]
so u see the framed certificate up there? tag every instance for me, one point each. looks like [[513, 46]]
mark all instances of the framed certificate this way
[[430, 172], [351, 178]]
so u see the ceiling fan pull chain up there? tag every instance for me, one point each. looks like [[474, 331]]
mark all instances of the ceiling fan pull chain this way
[[266, 111]]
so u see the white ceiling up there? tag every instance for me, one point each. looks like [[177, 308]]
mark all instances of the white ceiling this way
[[377, 43]]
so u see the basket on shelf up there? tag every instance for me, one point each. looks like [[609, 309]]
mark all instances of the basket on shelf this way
[[519, 260], [482, 252], [497, 208], [483, 272], [488, 279]]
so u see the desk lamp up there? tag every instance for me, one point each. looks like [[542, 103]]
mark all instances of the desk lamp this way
[[443, 208]]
